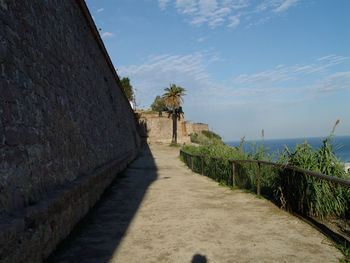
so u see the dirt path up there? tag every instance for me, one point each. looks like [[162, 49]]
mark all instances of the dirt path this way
[[162, 212]]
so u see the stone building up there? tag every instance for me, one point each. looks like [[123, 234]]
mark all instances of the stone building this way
[[159, 129]]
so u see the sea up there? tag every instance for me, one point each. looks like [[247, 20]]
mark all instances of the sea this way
[[276, 146]]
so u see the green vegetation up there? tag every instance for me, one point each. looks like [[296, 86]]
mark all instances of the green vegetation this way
[[194, 138], [158, 105], [211, 135], [205, 136], [173, 100], [289, 189], [346, 251], [128, 90]]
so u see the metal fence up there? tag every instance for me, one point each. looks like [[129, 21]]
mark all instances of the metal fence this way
[[189, 160], [296, 184]]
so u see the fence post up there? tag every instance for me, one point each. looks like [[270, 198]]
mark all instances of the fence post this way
[[202, 165], [233, 175], [192, 162], [259, 179]]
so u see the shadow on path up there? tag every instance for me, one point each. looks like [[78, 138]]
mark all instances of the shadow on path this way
[[198, 258], [99, 234]]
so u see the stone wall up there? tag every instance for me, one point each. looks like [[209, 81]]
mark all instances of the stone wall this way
[[196, 127], [199, 127], [159, 129], [63, 116]]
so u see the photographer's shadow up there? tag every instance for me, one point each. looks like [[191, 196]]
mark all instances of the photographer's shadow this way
[[198, 258]]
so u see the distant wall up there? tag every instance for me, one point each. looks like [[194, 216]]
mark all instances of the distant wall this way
[[189, 127], [160, 129], [196, 127], [199, 127], [66, 127]]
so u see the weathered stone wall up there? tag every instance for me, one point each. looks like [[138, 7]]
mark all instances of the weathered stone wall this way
[[189, 127], [196, 127], [62, 115], [199, 127], [160, 128]]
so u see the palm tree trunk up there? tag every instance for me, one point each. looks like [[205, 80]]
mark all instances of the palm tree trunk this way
[[174, 138]]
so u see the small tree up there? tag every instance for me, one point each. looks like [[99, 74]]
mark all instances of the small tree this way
[[173, 99], [128, 90], [158, 105]]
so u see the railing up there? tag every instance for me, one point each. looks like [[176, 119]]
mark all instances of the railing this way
[[295, 191], [258, 162]]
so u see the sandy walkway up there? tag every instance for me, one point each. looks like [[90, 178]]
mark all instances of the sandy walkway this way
[[162, 212]]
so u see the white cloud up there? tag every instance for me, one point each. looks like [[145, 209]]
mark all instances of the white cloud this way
[[281, 84], [325, 57], [261, 7], [99, 10], [285, 5], [282, 73], [163, 3], [107, 34], [168, 67], [234, 21], [216, 22], [186, 6], [334, 82], [236, 4], [270, 98], [198, 20], [228, 12], [263, 78], [157, 72], [206, 7], [333, 59], [222, 11]]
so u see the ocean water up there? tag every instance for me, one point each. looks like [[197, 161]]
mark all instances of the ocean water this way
[[342, 145]]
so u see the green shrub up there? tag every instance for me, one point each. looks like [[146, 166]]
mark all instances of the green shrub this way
[[194, 138], [309, 195], [291, 190], [211, 135]]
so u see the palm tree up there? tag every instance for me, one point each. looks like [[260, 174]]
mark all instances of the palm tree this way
[[173, 100]]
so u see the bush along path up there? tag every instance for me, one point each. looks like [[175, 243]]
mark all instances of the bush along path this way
[[181, 216]]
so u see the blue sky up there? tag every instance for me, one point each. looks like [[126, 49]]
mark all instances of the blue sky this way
[[278, 65]]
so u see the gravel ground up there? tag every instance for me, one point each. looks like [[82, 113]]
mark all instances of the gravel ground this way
[[159, 211]]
